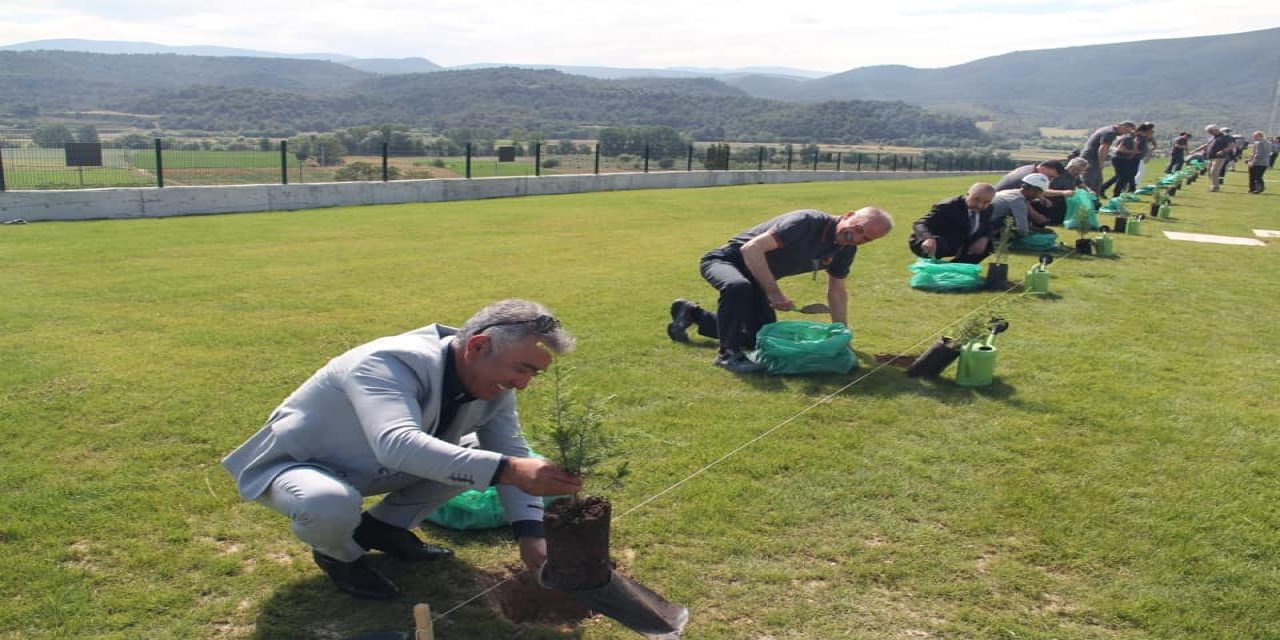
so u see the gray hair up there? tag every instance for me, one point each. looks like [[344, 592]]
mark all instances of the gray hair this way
[[878, 216], [1077, 163], [507, 322], [981, 188]]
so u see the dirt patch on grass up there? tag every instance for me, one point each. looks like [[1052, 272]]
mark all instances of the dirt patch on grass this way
[[522, 600]]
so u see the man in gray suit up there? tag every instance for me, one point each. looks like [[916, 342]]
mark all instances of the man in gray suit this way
[[386, 417]]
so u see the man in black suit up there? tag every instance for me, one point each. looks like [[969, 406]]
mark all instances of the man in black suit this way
[[958, 227]]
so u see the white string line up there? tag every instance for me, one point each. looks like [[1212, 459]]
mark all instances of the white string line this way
[[793, 418], [744, 445]]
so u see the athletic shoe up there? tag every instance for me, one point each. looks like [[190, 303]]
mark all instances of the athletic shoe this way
[[681, 319], [737, 362]]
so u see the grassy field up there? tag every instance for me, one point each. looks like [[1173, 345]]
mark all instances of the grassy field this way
[[1119, 479]]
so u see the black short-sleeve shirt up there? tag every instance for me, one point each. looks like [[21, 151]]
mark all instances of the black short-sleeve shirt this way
[[806, 242]]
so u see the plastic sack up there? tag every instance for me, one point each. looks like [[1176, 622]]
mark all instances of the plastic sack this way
[[1080, 200], [471, 510], [1035, 242], [793, 347], [935, 275]]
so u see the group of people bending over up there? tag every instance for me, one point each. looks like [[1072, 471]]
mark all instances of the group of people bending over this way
[[965, 228], [1221, 151], [746, 269], [1128, 146]]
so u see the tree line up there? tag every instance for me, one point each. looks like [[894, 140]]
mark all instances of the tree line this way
[[152, 92]]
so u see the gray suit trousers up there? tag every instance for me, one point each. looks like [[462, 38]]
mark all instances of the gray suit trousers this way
[[324, 511]]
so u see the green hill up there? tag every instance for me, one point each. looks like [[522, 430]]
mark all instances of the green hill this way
[[1184, 82]]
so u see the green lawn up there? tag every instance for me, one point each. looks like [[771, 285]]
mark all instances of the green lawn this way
[[1118, 480]]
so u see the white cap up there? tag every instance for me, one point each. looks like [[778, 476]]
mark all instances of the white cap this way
[[1036, 180]]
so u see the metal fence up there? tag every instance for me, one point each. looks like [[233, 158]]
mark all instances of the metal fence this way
[[24, 166]]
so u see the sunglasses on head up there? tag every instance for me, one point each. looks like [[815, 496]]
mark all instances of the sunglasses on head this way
[[541, 324]]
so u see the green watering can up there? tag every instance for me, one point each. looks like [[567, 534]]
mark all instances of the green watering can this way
[[1104, 245], [1134, 226], [977, 364], [1037, 278]]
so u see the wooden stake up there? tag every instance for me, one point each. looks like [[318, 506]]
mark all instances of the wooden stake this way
[[422, 622]]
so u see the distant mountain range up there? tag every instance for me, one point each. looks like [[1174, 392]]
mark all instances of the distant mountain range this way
[[1178, 83], [397, 65]]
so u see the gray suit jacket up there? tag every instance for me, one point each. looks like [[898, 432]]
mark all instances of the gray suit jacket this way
[[373, 412]]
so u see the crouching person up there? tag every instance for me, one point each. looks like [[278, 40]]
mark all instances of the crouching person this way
[[958, 228], [385, 418]]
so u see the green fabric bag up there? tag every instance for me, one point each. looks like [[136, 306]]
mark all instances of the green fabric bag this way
[[1036, 242], [1080, 200], [471, 510], [796, 347], [932, 274]]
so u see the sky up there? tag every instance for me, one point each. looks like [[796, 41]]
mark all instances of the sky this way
[[818, 35]]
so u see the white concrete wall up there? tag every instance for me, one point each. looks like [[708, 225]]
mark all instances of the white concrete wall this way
[[151, 202]]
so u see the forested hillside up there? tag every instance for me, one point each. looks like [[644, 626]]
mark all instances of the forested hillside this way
[[1179, 83], [1176, 81], [278, 97], [54, 80]]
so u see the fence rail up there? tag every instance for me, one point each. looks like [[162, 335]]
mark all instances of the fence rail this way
[[24, 166]]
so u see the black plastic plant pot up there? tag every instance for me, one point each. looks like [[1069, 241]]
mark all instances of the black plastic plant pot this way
[[1121, 221], [934, 360], [1155, 209], [997, 275], [1084, 246], [635, 606]]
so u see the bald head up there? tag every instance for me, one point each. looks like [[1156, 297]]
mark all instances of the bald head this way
[[979, 196], [863, 226]]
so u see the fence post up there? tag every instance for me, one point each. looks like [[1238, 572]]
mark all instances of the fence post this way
[[284, 162], [689, 162], [911, 161], [597, 158], [468, 160], [859, 162], [895, 161], [839, 158], [537, 159], [815, 159], [1, 167], [384, 162], [877, 162], [760, 160], [646, 157], [159, 167]]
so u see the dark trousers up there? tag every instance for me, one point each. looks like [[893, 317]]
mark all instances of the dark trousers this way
[[742, 309], [1175, 161], [1256, 185], [1125, 178]]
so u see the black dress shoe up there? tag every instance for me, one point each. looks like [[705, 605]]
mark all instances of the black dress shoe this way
[[400, 543], [357, 578]]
